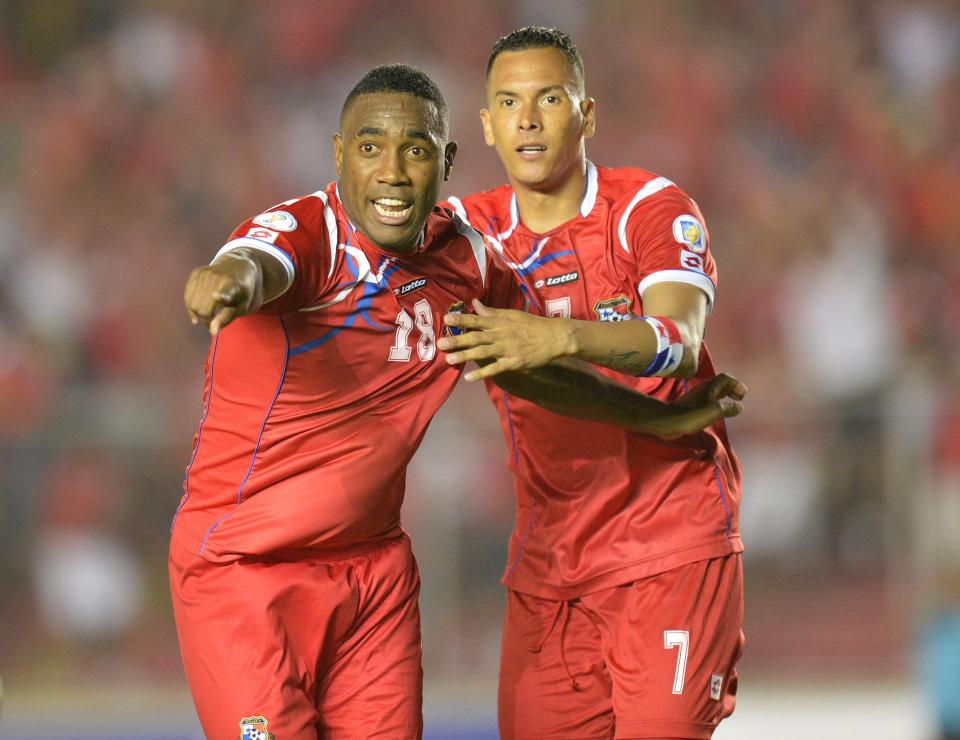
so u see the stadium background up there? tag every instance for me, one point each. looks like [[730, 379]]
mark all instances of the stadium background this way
[[821, 141]]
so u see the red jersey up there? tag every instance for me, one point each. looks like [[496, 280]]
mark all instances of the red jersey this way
[[599, 505], [315, 404]]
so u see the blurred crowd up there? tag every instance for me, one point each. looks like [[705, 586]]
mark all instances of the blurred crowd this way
[[821, 140]]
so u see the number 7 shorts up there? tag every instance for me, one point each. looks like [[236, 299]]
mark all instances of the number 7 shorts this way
[[305, 647], [654, 658]]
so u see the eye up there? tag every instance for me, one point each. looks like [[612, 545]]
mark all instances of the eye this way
[[508, 102], [417, 151], [367, 148], [551, 100]]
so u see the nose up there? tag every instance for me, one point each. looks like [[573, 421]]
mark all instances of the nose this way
[[392, 169], [530, 118]]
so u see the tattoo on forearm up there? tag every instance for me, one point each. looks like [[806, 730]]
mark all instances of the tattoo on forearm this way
[[626, 360]]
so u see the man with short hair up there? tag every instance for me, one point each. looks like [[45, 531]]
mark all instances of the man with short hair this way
[[294, 586], [625, 595]]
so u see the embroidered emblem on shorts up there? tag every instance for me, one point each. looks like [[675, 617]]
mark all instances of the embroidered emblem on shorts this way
[[458, 307], [716, 686], [254, 728], [613, 309]]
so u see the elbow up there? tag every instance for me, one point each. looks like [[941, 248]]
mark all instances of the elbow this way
[[690, 362]]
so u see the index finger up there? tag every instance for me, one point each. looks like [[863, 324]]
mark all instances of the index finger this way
[[467, 321]]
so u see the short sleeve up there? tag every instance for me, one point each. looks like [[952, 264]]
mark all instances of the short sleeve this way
[[663, 238], [299, 236], [502, 288]]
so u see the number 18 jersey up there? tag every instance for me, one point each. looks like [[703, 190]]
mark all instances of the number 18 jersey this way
[[314, 405]]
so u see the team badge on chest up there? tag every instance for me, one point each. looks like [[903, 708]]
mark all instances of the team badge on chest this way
[[613, 309], [458, 307], [254, 728]]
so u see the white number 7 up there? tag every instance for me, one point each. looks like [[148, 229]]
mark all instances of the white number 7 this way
[[681, 639]]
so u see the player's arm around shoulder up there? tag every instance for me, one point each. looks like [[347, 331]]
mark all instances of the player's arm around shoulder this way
[[573, 389]]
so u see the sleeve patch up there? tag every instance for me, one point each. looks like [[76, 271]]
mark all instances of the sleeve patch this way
[[688, 230], [277, 220], [258, 232], [691, 261]]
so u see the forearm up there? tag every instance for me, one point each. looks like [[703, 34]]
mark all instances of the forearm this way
[[628, 346], [582, 394], [269, 277]]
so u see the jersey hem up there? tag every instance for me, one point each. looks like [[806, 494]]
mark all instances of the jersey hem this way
[[188, 540], [626, 573]]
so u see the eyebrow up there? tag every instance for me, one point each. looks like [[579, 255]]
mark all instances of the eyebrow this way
[[541, 91], [409, 133]]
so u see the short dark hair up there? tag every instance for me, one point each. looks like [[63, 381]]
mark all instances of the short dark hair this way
[[400, 78], [539, 37]]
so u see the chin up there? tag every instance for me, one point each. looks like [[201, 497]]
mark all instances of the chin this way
[[530, 173]]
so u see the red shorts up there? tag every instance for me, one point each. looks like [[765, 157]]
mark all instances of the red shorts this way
[[311, 646], [651, 659]]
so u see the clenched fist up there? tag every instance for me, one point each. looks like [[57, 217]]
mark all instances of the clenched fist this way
[[216, 294]]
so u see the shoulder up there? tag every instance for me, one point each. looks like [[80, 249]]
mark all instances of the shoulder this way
[[312, 215], [625, 188], [486, 205], [636, 196]]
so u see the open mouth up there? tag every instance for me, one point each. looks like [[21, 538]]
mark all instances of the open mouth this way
[[392, 211], [531, 151]]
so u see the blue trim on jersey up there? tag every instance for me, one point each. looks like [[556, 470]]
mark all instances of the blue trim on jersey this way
[[193, 457], [360, 310], [256, 448], [516, 465], [541, 261], [723, 496], [530, 296]]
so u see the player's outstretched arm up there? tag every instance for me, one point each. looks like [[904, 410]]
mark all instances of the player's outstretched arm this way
[[234, 284], [666, 343], [573, 390]]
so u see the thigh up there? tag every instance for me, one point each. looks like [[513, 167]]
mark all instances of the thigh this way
[[373, 687], [671, 644], [250, 636], [553, 683]]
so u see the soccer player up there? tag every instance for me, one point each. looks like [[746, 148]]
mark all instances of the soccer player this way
[[294, 586], [624, 576]]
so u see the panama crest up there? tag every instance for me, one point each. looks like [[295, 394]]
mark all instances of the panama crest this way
[[613, 309], [254, 728], [458, 307]]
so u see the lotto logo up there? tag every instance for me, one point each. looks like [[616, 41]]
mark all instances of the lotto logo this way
[[410, 286], [562, 279], [691, 261], [264, 235]]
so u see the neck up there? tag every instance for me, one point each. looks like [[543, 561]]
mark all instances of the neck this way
[[543, 208]]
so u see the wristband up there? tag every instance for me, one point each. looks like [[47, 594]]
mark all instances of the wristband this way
[[669, 347]]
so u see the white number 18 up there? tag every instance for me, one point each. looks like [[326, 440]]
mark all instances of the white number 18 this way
[[426, 345]]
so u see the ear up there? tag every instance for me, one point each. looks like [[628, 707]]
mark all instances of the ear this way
[[449, 152], [338, 152], [487, 126], [588, 107]]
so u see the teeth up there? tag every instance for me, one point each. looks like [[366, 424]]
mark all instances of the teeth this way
[[391, 207]]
